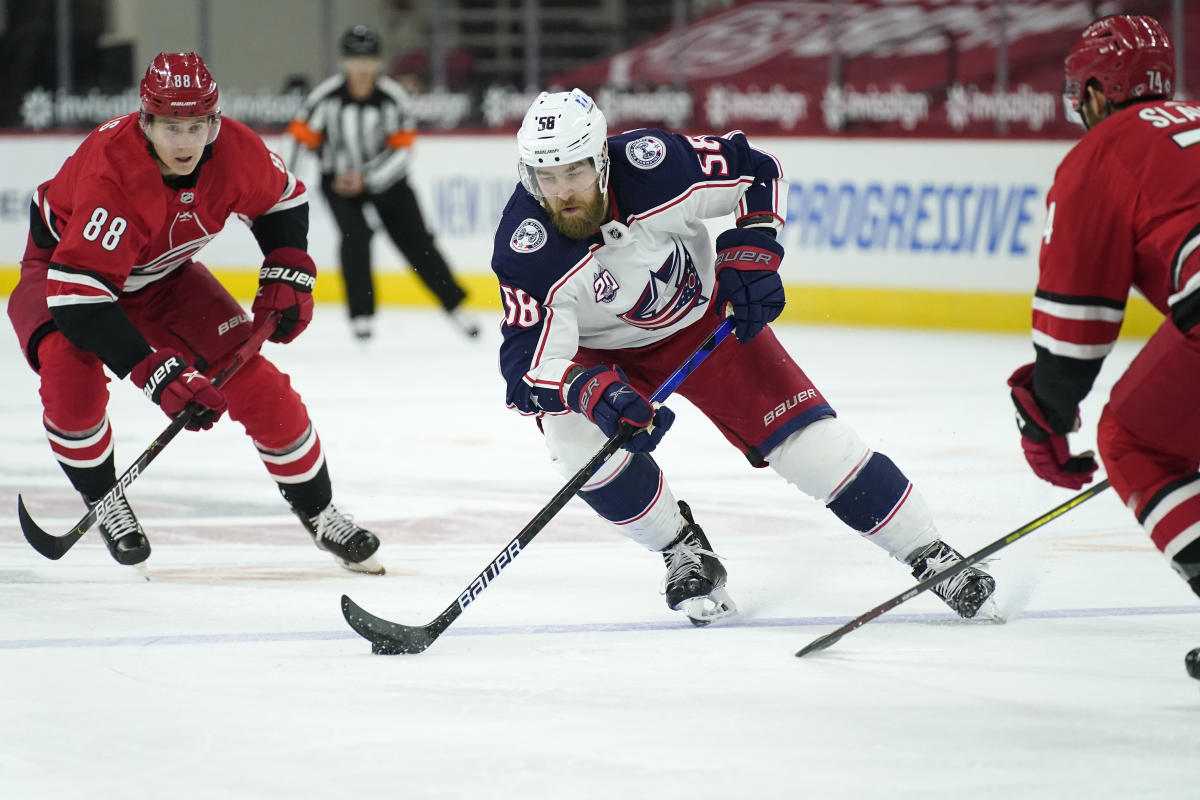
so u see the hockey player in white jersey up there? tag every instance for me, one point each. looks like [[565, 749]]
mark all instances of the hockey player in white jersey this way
[[610, 279]]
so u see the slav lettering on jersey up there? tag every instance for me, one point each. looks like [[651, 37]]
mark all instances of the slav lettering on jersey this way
[[1098, 244]]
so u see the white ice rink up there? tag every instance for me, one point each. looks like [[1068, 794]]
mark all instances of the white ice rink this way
[[231, 674]]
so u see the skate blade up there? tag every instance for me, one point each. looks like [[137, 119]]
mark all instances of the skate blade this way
[[714, 607], [990, 612], [369, 566]]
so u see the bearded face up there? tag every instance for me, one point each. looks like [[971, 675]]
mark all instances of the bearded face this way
[[577, 217], [571, 195]]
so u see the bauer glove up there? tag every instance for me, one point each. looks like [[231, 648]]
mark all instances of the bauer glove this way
[[748, 278], [170, 381], [285, 285], [604, 396], [1045, 450]]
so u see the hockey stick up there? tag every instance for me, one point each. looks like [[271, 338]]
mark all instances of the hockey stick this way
[[822, 642], [390, 638], [55, 547]]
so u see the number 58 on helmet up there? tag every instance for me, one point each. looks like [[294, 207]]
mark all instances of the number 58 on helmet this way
[[562, 128]]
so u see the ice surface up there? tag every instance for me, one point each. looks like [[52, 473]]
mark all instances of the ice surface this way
[[232, 674]]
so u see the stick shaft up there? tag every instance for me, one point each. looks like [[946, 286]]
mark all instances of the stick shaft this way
[[55, 547], [820, 643], [391, 638]]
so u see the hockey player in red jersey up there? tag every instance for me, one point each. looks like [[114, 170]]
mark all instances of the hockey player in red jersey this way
[[1123, 213], [610, 279], [108, 280]]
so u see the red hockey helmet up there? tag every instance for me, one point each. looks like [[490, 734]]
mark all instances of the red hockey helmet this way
[[1129, 56], [180, 85]]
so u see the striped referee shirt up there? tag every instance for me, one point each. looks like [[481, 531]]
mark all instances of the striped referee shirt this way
[[373, 136]]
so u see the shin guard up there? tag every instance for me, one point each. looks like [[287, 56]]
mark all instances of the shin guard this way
[[636, 499], [882, 504]]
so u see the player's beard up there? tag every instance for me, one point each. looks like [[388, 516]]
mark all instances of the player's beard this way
[[580, 226]]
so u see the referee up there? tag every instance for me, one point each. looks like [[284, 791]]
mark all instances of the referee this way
[[361, 126]]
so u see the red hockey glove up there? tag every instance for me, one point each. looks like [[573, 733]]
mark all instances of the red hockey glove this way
[[173, 383], [748, 277], [1046, 451], [285, 285], [603, 396]]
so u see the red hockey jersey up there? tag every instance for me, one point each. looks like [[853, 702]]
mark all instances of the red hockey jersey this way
[[119, 227], [1124, 212]]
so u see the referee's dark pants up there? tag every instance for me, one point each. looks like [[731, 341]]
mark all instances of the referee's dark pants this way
[[401, 216]]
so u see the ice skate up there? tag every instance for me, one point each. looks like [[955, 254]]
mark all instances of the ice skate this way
[[464, 323], [351, 546], [968, 593], [363, 327], [695, 577], [122, 533]]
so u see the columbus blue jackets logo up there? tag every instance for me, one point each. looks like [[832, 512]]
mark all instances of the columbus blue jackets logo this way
[[528, 237], [646, 152], [672, 291]]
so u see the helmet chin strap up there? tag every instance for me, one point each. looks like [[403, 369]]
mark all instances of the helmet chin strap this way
[[1108, 109], [602, 167]]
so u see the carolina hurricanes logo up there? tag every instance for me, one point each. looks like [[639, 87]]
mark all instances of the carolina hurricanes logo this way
[[672, 291], [187, 227]]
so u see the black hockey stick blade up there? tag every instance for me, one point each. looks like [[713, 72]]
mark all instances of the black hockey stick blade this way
[[55, 547], [390, 638], [822, 642], [50, 546], [386, 638]]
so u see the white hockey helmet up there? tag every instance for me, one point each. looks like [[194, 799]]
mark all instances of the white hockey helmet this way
[[562, 128]]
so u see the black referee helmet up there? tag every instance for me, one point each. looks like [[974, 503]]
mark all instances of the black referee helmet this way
[[360, 41]]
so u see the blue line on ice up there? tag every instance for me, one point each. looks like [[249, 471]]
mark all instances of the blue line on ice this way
[[593, 627]]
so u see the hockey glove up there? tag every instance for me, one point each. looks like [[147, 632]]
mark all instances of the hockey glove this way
[[285, 285], [1045, 450], [603, 396], [173, 383], [748, 278]]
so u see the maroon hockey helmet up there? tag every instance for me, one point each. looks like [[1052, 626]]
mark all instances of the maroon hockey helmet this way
[[180, 85], [1129, 56]]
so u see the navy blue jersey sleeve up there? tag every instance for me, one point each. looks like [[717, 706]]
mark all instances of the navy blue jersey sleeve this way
[[532, 261], [716, 174]]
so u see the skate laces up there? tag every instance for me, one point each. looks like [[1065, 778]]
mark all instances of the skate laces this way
[[684, 558], [334, 526], [117, 520], [939, 561]]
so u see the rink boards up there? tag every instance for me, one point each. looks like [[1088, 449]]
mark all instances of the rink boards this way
[[916, 233]]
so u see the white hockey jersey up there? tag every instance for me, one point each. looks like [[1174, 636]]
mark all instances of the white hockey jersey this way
[[643, 276]]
